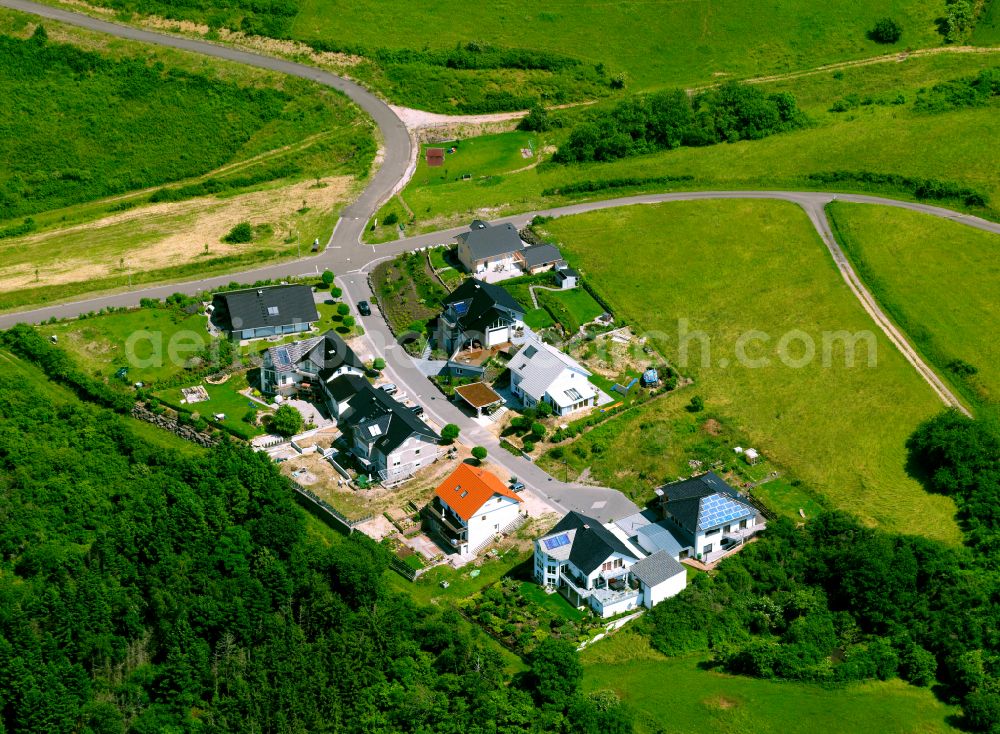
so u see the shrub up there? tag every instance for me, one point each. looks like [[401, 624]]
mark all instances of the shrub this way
[[886, 30], [537, 430], [390, 219], [537, 120], [529, 446], [696, 405], [241, 234], [349, 322]]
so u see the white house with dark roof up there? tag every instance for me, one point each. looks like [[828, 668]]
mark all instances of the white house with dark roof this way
[[313, 363], [496, 251], [541, 373], [388, 439], [478, 312], [596, 565], [707, 515]]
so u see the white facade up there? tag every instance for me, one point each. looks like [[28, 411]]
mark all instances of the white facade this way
[[653, 595], [493, 517], [541, 373], [709, 541], [404, 461]]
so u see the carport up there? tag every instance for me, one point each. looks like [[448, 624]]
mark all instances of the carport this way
[[480, 397]]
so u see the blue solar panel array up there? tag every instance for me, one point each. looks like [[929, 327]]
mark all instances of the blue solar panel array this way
[[557, 542], [282, 357], [461, 307], [718, 510]]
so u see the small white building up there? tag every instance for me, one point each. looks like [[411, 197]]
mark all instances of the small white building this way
[[471, 508], [595, 565], [541, 373]]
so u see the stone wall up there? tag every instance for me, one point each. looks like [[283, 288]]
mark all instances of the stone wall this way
[[169, 424]]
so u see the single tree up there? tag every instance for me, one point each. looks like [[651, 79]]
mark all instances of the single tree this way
[[286, 421], [886, 30], [544, 410], [538, 431], [449, 433], [696, 405], [241, 234], [343, 309], [479, 454], [349, 322], [378, 364], [327, 278]]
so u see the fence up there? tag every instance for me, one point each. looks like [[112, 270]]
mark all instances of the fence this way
[[326, 511]]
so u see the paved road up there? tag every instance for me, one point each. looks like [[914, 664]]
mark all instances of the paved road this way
[[346, 255], [598, 502]]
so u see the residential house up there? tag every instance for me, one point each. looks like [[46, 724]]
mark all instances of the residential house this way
[[471, 508], [707, 515], [593, 564], [478, 313], [490, 248], [541, 373], [310, 365], [272, 310], [538, 258], [387, 438]]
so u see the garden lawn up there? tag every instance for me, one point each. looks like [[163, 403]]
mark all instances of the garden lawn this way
[[939, 280], [572, 308], [725, 268], [140, 340], [224, 398], [679, 695]]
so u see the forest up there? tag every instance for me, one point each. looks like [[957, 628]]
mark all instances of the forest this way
[[671, 119], [145, 590], [836, 601]]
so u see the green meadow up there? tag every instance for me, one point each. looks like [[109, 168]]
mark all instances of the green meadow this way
[[940, 281], [879, 137], [680, 695], [734, 293]]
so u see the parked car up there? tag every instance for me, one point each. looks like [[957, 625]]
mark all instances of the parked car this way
[[418, 409], [516, 485], [364, 308], [389, 388]]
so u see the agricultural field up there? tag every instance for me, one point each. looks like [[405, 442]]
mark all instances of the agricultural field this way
[[701, 699], [939, 280], [877, 135], [134, 163], [703, 280]]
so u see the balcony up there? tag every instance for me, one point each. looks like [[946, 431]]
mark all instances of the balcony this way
[[445, 523]]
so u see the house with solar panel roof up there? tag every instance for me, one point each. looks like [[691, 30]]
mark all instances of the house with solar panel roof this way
[[479, 314], [707, 515], [307, 368], [597, 565]]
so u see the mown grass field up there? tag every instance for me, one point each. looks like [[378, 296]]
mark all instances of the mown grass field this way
[[940, 281], [134, 162], [152, 343], [679, 695], [879, 138], [726, 268]]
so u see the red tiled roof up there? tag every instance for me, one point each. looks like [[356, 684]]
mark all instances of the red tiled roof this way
[[468, 488]]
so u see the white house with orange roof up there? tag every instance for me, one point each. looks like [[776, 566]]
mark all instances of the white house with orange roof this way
[[471, 507]]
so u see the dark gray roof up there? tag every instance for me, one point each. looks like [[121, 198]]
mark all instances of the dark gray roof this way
[[370, 407], [536, 255], [328, 351], [345, 386], [273, 305], [565, 271], [656, 569], [482, 303], [489, 240], [703, 502], [592, 543]]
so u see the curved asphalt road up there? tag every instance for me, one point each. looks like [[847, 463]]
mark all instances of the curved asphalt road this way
[[345, 254]]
